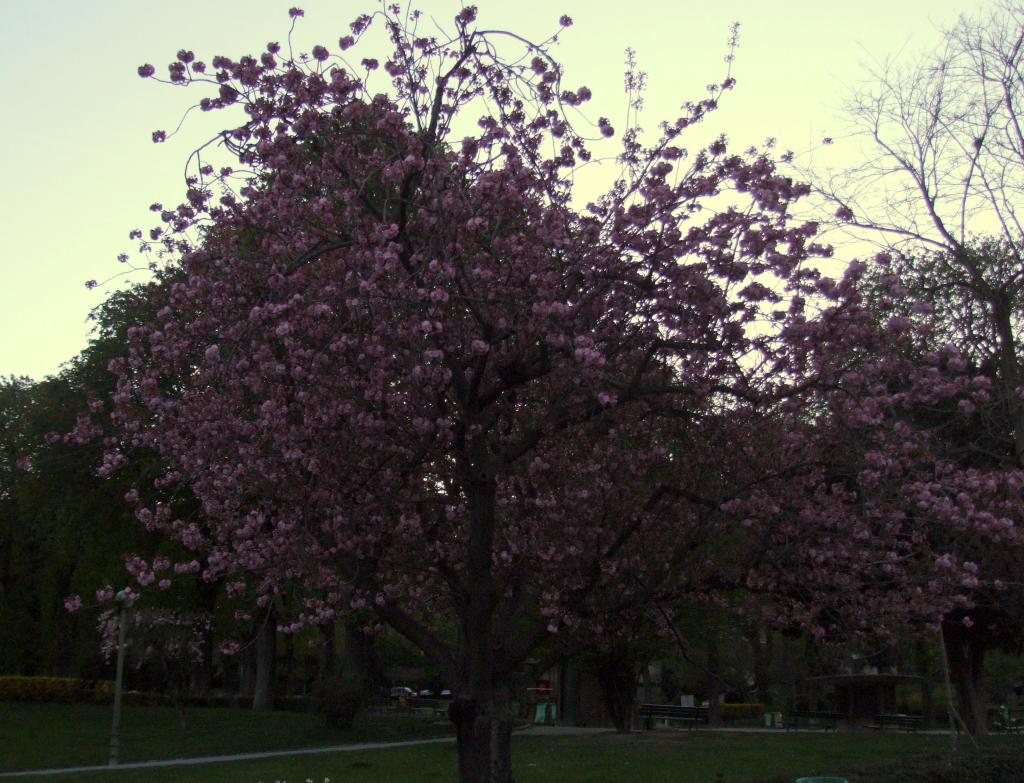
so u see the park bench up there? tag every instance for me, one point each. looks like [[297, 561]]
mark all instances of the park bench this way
[[1008, 719], [420, 705], [809, 719], [896, 721], [690, 716]]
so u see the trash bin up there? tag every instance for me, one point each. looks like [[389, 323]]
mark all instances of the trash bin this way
[[768, 720], [545, 712], [777, 720]]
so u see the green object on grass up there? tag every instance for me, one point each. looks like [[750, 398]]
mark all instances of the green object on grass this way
[[773, 720], [546, 712]]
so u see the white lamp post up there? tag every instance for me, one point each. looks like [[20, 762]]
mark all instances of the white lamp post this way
[[124, 599]]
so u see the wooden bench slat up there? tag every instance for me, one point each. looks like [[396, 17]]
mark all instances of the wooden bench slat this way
[[811, 718], [904, 722], [672, 712]]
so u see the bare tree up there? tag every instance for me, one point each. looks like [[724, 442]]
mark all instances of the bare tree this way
[[946, 141]]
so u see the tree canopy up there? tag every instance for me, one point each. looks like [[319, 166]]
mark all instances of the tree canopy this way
[[403, 371]]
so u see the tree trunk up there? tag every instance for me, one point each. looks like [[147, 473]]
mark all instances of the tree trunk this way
[[714, 683], [616, 674], [266, 655], [329, 665], [360, 662], [246, 673], [181, 682], [483, 732], [341, 695], [289, 664], [482, 710], [927, 704], [760, 639], [966, 653], [63, 663], [202, 672], [1009, 369], [924, 669]]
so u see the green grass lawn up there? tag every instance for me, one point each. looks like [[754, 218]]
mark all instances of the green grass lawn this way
[[654, 757], [34, 736]]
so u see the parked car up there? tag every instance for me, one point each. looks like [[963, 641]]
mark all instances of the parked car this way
[[402, 692], [425, 693]]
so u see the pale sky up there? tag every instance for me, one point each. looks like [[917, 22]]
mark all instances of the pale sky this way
[[79, 169]]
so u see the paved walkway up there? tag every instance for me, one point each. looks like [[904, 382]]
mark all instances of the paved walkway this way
[[533, 731]]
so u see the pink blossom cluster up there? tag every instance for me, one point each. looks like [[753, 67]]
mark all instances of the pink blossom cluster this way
[[885, 510]]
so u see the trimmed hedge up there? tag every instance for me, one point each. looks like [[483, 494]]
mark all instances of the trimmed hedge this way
[[743, 711], [65, 690], [74, 690]]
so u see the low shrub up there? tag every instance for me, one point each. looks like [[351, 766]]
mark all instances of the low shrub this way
[[145, 699], [1003, 766], [339, 701], [216, 700], [293, 703], [989, 766]]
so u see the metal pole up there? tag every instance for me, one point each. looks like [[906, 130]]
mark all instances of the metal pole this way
[[115, 728]]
